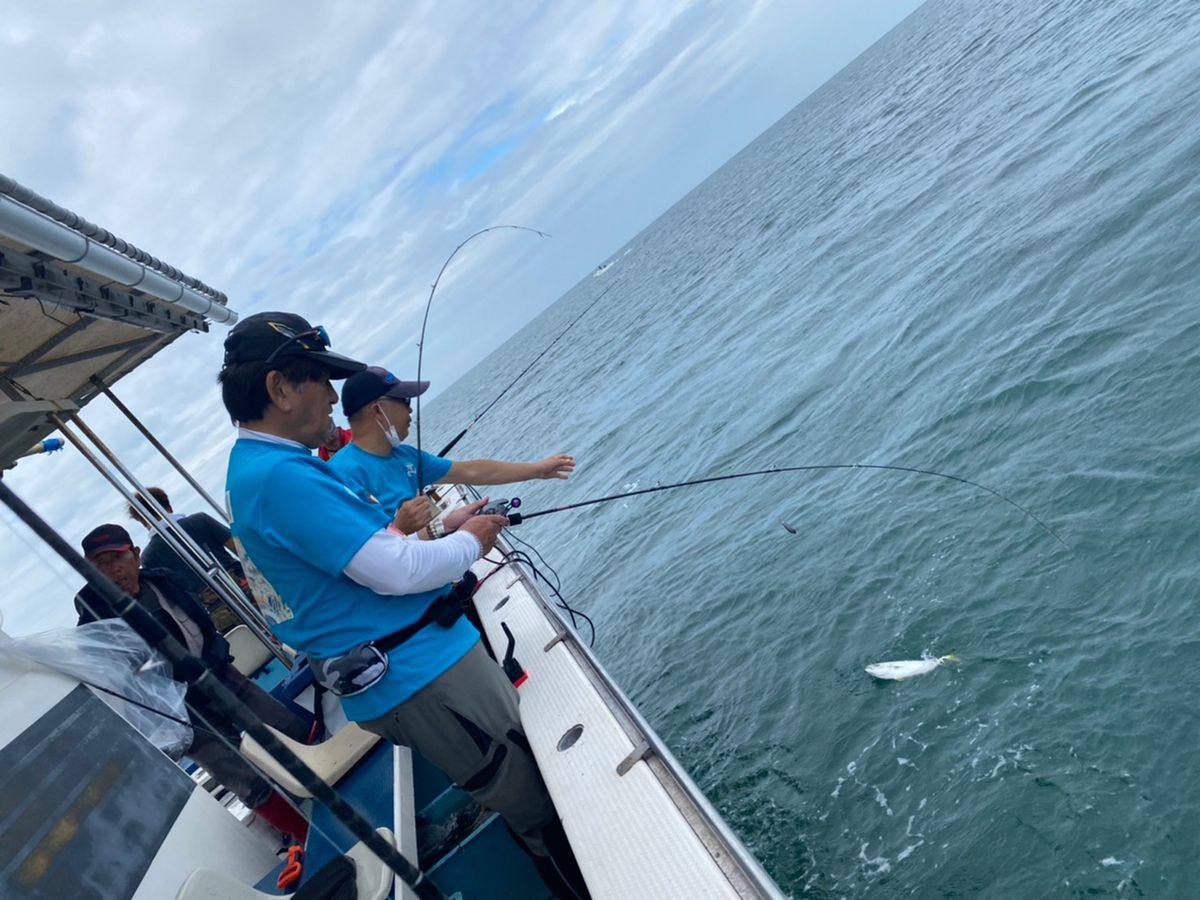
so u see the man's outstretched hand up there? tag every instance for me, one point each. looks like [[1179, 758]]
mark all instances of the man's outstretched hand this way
[[559, 466]]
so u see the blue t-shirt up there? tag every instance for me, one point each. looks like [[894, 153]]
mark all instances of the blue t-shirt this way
[[298, 523], [390, 479]]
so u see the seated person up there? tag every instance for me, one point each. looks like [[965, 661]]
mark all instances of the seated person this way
[[379, 408], [213, 537], [110, 549]]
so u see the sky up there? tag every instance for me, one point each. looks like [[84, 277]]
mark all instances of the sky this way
[[325, 158]]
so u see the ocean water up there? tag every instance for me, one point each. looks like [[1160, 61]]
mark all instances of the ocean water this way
[[975, 250]]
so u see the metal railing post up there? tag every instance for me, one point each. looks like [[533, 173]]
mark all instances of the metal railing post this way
[[193, 671], [128, 413], [204, 565]]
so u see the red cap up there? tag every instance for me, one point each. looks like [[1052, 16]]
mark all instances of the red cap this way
[[106, 539]]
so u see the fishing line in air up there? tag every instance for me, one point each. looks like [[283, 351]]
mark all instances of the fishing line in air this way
[[523, 372], [425, 320]]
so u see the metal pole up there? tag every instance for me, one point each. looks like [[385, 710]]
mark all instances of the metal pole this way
[[217, 577], [125, 410], [192, 670], [209, 570]]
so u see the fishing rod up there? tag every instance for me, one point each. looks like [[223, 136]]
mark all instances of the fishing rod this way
[[425, 321], [486, 409], [223, 702], [515, 518]]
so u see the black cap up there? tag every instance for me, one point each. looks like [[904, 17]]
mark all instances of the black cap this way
[[106, 539], [267, 336], [373, 383]]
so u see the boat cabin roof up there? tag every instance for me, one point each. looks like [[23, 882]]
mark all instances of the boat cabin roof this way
[[69, 328]]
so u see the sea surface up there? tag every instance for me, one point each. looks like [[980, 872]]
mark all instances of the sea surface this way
[[974, 251]]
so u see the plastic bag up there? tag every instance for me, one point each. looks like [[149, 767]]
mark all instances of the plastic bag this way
[[109, 654]]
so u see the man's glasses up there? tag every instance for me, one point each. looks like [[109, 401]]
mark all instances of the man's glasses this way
[[318, 336]]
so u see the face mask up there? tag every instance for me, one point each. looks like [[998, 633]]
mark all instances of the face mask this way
[[389, 431]]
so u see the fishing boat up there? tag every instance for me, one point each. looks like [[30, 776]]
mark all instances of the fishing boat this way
[[90, 809]]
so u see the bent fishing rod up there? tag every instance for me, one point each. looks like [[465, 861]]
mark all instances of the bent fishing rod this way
[[425, 321], [458, 437], [516, 518], [224, 703]]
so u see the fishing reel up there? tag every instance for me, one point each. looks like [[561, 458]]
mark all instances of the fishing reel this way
[[500, 507]]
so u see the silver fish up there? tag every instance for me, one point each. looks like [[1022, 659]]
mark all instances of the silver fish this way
[[900, 669]]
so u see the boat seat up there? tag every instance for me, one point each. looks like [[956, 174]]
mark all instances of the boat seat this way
[[372, 879], [249, 654], [331, 759]]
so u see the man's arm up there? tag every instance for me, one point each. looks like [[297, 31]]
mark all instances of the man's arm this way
[[392, 565], [494, 471]]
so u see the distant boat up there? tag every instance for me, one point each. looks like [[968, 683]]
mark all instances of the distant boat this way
[[602, 268]]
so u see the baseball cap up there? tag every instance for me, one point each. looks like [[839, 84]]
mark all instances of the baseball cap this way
[[106, 539], [373, 383], [267, 336]]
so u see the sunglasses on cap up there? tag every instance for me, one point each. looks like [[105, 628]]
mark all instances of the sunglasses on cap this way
[[314, 339]]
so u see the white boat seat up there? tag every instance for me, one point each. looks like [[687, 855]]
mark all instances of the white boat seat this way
[[372, 879], [331, 759], [249, 653]]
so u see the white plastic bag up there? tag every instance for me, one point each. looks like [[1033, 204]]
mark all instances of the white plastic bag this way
[[110, 655]]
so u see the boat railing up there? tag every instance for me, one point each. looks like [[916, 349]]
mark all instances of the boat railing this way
[[194, 556], [726, 849]]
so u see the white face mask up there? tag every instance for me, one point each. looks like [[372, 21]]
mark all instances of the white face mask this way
[[389, 431]]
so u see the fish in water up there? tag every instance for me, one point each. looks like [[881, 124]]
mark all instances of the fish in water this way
[[900, 669], [791, 529]]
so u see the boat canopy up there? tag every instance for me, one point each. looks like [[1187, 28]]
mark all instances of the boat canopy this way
[[79, 309]]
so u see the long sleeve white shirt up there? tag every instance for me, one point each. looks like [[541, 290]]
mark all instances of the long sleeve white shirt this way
[[393, 565]]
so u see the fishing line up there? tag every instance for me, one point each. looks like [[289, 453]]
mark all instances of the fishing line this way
[[554, 587], [523, 373], [425, 321], [147, 708], [515, 518], [516, 555]]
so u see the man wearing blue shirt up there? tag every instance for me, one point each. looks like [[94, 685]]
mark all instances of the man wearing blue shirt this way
[[337, 580], [378, 406]]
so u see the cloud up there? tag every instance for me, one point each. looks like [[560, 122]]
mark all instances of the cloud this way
[[326, 158]]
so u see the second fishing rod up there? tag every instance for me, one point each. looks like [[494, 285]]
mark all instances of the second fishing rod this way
[[533, 362], [509, 507]]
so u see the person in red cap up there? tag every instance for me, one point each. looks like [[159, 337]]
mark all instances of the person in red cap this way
[[110, 549], [379, 408], [337, 438]]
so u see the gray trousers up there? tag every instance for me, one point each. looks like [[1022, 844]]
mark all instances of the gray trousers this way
[[228, 766], [467, 724]]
